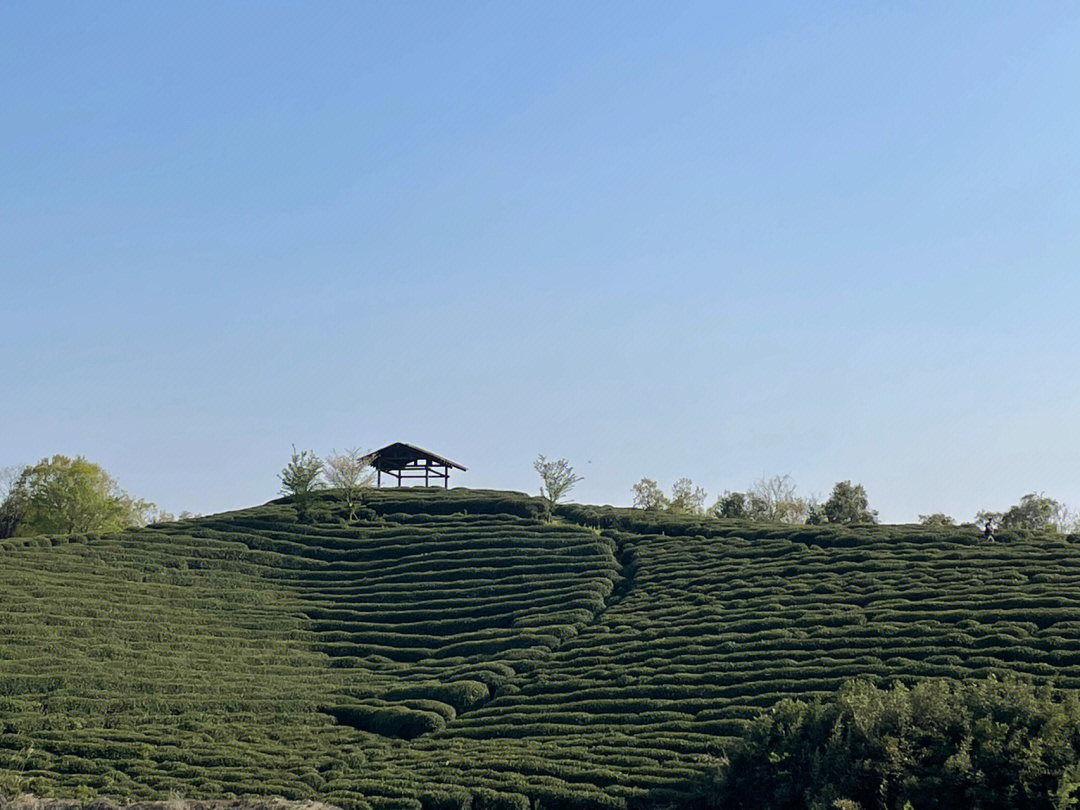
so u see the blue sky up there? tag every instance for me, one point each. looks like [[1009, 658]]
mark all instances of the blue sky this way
[[835, 240]]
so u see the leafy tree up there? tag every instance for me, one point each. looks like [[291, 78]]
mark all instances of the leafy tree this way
[[938, 520], [301, 478], [65, 495], [686, 499], [848, 504], [557, 476], [730, 505], [649, 496], [815, 513], [1035, 512], [939, 745], [986, 516], [348, 471]]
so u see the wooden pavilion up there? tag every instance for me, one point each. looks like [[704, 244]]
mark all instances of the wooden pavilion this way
[[403, 461]]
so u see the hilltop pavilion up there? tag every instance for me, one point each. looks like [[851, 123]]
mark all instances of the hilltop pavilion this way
[[403, 461]]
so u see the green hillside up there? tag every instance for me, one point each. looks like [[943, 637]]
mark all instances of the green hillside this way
[[455, 648]]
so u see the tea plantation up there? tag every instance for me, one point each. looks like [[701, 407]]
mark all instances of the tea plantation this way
[[455, 649]]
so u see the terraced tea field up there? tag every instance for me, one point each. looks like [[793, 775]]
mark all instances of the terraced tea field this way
[[454, 649]]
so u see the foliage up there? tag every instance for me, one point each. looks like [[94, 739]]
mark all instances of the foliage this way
[[557, 478], [686, 499], [65, 495], [848, 504], [9, 512], [773, 499], [1034, 513], [730, 505], [301, 478], [649, 496], [815, 513], [349, 471], [8, 477], [981, 744], [770, 500], [938, 520]]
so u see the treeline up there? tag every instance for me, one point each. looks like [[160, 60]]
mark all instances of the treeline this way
[[938, 745], [769, 499], [776, 500]]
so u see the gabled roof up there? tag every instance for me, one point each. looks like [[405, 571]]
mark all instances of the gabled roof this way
[[397, 455]]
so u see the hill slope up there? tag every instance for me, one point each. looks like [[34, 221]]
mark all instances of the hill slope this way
[[453, 647]]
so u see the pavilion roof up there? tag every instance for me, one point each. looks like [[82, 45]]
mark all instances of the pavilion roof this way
[[397, 455]]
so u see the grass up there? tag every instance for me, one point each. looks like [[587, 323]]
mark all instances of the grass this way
[[453, 649]]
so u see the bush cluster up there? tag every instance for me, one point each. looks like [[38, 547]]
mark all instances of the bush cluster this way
[[939, 745]]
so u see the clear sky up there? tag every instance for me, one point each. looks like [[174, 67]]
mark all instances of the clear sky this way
[[836, 240]]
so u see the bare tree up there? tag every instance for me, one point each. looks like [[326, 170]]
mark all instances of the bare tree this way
[[1067, 520], [8, 477], [347, 472], [9, 508], [775, 499], [302, 478], [558, 477]]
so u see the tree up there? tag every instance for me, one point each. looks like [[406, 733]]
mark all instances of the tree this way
[[65, 495], [348, 471], [815, 513], [8, 477], [301, 479], [686, 499], [938, 520], [730, 505], [1067, 520], [9, 517], [848, 504], [557, 476], [774, 499], [984, 516], [649, 496], [1035, 512]]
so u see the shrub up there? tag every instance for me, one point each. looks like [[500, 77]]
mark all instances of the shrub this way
[[389, 721], [988, 744]]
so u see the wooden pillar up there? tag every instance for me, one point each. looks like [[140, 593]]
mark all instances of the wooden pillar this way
[[427, 472], [378, 478]]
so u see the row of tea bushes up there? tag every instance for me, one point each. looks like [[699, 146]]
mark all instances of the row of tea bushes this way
[[459, 650]]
